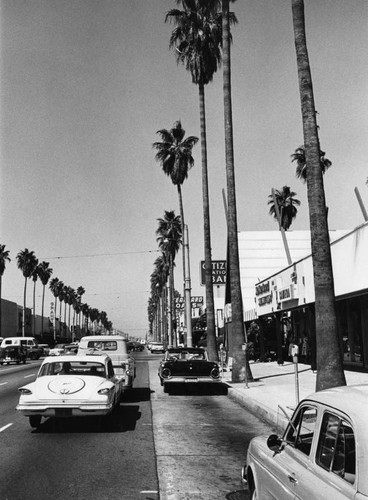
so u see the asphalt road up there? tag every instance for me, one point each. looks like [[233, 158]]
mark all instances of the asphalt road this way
[[77, 459], [187, 445]]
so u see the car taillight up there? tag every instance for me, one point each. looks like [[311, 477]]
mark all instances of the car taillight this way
[[105, 390], [23, 390], [166, 373], [215, 372]]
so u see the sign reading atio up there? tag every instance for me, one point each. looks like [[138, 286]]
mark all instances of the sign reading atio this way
[[218, 272]]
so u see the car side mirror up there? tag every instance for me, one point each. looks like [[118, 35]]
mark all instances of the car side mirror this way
[[274, 443]]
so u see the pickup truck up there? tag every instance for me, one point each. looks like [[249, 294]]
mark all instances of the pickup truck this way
[[115, 346]]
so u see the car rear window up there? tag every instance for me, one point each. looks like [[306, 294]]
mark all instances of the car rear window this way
[[103, 345]]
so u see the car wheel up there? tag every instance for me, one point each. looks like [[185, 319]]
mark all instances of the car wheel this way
[[35, 421]]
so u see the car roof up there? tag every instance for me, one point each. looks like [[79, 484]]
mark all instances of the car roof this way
[[350, 399], [103, 337], [84, 358]]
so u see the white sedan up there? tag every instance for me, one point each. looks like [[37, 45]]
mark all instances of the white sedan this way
[[71, 386], [322, 454]]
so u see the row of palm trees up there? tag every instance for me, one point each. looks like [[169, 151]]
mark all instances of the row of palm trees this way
[[201, 40], [31, 268], [161, 310]]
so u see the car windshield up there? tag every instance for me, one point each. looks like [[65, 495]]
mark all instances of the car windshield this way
[[73, 368]]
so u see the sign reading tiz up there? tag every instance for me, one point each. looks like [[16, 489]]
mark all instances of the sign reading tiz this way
[[218, 272]]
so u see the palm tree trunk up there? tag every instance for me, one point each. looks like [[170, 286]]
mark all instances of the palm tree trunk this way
[[330, 372], [34, 310], [241, 371], [24, 308], [187, 291], [1, 310], [210, 307], [43, 305]]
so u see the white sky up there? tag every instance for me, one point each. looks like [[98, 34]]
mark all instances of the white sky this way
[[86, 84]]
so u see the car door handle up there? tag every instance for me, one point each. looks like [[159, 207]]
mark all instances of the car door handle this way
[[292, 478]]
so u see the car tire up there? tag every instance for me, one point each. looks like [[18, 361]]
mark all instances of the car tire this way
[[35, 421]]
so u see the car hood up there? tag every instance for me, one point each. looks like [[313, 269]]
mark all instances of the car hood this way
[[67, 386]]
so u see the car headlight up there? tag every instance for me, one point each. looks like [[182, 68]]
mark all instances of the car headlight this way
[[166, 373], [24, 390], [105, 390], [215, 372]]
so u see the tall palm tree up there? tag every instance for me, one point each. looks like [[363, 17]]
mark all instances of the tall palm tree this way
[[286, 204], [80, 292], [34, 279], [169, 240], [301, 164], [158, 282], [174, 154], [197, 40], [44, 272], [241, 371], [26, 262], [4, 258], [330, 372], [85, 310], [54, 286]]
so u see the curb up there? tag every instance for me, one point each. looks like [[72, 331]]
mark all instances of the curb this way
[[275, 419]]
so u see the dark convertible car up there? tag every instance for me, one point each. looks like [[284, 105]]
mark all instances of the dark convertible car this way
[[187, 365]]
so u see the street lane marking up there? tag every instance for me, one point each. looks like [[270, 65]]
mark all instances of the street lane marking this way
[[4, 383], [32, 375], [5, 427]]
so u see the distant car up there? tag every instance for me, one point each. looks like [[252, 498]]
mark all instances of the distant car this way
[[115, 346], [157, 347], [13, 354], [187, 365], [135, 346], [322, 454], [45, 348], [57, 350], [69, 386]]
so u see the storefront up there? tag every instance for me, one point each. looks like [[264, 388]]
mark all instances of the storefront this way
[[286, 299]]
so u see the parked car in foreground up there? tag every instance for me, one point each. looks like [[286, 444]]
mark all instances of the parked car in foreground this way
[[187, 365], [13, 354], [322, 454], [157, 347], [71, 386], [116, 347]]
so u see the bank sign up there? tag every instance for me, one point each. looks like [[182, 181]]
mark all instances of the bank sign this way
[[218, 272]]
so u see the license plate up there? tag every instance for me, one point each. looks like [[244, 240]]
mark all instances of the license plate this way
[[63, 412], [191, 380]]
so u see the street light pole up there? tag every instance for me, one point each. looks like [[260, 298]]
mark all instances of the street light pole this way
[[187, 288]]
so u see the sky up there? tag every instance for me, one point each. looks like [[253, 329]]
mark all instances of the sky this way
[[84, 87]]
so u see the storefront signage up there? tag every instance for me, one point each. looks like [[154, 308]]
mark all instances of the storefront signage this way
[[218, 272], [285, 294], [263, 288], [196, 301]]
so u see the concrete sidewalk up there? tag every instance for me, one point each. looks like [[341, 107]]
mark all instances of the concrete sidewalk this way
[[276, 386]]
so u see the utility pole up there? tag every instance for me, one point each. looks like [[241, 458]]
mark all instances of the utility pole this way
[[187, 289]]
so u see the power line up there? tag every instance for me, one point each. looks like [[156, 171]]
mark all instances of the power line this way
[[98, 255]]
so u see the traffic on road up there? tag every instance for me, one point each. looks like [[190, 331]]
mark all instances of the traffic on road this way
[[154, 445]]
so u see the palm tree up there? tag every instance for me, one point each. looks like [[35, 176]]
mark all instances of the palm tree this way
[[241, 371], [158, 281], [85, 310], [80, 292], [26, 262], [44, 272], [174, 154], [54, 286], [286, 205], [169, 240], [330, 372], [197, 40], [301, 165], [34, 279], [4, 258]]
